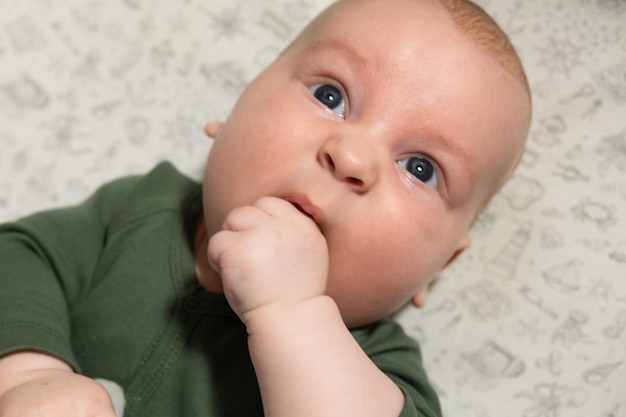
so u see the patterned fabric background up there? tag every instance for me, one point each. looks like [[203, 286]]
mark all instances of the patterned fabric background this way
[[531, 322]]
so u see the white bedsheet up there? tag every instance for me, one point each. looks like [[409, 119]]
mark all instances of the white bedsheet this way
[[531, 321]]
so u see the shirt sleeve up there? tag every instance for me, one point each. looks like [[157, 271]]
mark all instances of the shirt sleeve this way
[[46, 262], [399, 357]]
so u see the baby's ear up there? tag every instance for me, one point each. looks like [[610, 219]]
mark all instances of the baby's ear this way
[[463, 245], [212, 129], [419, 299]]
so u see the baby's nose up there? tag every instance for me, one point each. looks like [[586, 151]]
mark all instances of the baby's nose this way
[[351, 160]]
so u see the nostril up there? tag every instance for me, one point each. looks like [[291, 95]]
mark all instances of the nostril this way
[[329, 162], [355, 181]]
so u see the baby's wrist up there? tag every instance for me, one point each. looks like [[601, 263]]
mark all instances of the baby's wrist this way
[[280, 315]]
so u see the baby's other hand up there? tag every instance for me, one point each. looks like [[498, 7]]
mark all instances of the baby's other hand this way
[[269, 254], [50, 392]]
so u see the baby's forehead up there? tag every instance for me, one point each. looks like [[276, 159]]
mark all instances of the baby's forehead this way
[[457, 16]]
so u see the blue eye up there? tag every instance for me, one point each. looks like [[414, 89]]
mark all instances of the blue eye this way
[[331, 97], [421, 168]]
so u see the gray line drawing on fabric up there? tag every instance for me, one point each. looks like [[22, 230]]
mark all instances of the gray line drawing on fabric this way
[[299, 9], [583, 92], [104, 159], [494, 361], [447, 305], [552, 363], [227, 23], [601, 288], [24, 92], [138, 130], [275, 25], [571, 333], [450, 325], [559, 56], [104, 110], [182, 129], [600, 374], [88, 68], [563, 278], [485, 300], [3, 47], [534, 298], [161, 54], [591, 211], [65, 38], [612, 6], [188, 63], [128, 59], [531, 329], [549, 131], [570, 173], [592, 109], [613, 412], [226, 74], [24, 35], [141, 95], [613, 149], [522, 192], [65, 135], [554, 125], [515, 24], [504, 264], [88, 16], [147, 27], [39, 180], [618, 254], [485, 221], [550, 399], [551, 238], [135, 4], [613, 80], [617, 329]]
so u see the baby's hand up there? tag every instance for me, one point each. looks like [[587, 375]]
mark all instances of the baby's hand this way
[[56, 393], [269, 254]]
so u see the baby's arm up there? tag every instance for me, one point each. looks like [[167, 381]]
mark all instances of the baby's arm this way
[[274, 264], [38, 385], [46, 262]]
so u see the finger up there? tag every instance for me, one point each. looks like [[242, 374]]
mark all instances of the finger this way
[[244, 218], [281, 208], [275, 207], [217, 245]]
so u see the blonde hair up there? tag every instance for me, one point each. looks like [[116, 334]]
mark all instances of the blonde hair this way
[[483, 30]]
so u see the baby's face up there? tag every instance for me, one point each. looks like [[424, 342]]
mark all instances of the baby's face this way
[[392, 127]]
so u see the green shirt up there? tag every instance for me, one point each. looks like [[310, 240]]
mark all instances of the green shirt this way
[[109, 286]]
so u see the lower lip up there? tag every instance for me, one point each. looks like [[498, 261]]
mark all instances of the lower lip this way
[[301, 210]]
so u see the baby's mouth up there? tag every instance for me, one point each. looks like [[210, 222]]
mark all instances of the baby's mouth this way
[[303, 211], [306, 208]]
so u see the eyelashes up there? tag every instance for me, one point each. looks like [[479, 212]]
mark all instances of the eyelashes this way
[[422, 169], [331, 97]]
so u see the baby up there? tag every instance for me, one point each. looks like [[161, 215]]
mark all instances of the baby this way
[[343, 182]]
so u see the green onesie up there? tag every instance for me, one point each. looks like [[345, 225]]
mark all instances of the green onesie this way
[[109, 286]]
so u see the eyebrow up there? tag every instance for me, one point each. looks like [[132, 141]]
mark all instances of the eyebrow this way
[[454, 149], [361, 62], [344, 48], [461, 157]]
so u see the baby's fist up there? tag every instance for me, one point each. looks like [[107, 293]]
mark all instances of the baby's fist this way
[[269, 253]]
